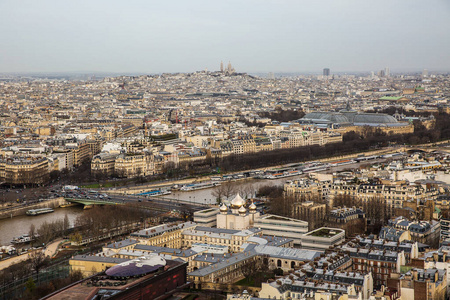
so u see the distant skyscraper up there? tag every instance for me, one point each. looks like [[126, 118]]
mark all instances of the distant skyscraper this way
[[326, 72], [425, 73], [387, 72]]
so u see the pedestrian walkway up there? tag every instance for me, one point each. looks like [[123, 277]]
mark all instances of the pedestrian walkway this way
[[50, 250], [13, 260]]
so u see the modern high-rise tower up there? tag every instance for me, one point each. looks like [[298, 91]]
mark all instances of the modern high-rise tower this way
[[326, 72]]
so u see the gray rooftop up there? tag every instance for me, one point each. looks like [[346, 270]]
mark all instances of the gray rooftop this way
[[100, 259]]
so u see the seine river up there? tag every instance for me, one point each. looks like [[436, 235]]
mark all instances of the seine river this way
[[246, 188], [16, 226]]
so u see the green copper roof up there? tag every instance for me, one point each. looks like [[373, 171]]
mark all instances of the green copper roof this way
[[390, 98]]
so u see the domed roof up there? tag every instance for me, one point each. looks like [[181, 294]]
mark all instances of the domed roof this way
[[334, 117], [350, 116], [223, 207], [237, 201], [242, 210], [374, 118], [137, 267], [252, 206]]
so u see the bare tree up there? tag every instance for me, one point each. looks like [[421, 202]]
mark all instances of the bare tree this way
[[224, 191], [247, 191], [32, 233], [38, 261], [18, 270], [218, 193], [345, 200], [66, 224], [45, 232], [229, 189]]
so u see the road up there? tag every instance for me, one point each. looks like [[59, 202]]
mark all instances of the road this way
[[50, 250], [159, 204], [13, 260]]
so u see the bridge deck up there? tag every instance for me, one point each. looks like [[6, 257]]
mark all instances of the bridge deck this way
[[91, 201]]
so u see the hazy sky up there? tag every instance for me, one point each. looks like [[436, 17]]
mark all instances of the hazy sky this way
[[149, 36]]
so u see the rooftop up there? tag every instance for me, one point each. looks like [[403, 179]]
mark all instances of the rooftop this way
[[325, 232]]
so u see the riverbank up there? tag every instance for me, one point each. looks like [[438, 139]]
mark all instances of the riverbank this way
[[50, 251], [20, 210], [132, 190]]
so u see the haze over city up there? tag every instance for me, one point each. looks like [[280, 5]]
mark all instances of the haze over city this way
[[227, 150], [256, 36]]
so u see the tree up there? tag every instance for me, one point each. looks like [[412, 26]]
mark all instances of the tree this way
[[38, 261], [225, 190], [218, 193], [32, 233], [76, 238], [282, 205], [30, 287], [45, 232], [248, 269], [75, 275], [230, 189], [247, 191], [377, 212], [270, 191], [18, 270], [66, 224], [345, 200]]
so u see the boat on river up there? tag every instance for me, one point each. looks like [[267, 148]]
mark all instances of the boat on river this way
[[153, 193], [198, 186], [39, 211], [25, 238]]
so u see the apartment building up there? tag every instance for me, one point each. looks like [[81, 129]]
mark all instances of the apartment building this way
[[24, 170], [134, 164], [423, 284], [381, 263]]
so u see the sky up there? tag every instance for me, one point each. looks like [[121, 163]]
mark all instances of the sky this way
[[147, 36]]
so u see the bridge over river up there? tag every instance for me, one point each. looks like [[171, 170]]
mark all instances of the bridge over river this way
[[158, 203]]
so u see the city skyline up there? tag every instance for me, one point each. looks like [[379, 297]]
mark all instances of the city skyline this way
[[263, 36]]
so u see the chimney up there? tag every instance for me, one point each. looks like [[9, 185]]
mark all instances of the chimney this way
[[414, 274]]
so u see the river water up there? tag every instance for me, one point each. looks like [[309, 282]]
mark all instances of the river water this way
[[17, 226], [247, 188], [10, 228]]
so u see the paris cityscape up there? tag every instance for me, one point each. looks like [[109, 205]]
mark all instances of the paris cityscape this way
[[203, 173]]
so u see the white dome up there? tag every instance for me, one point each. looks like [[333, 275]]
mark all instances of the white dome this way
[[252, 206], [237, 201], [242, 210], [223, 207]]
